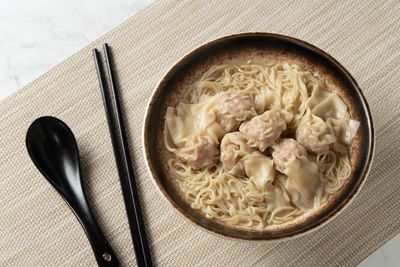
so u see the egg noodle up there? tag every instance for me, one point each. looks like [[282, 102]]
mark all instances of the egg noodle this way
[[241, 202]]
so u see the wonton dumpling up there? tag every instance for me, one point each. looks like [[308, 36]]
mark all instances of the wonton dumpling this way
[[286, 150], [263, 130], [232, 109], [233, 149], [187, 120], [259, 169], [303, 184], [199, 152], [315, 134]]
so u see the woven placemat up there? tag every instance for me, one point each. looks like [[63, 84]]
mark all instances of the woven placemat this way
[[38, 229]]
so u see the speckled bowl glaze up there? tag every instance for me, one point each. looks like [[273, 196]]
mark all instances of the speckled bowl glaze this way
[[239, 48]]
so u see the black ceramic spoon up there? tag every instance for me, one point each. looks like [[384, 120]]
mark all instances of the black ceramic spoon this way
[[53, 149]]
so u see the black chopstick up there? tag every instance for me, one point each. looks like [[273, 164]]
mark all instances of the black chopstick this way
[[123, 160]]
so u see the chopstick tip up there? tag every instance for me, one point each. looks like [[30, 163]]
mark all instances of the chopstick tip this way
[[94, 51]]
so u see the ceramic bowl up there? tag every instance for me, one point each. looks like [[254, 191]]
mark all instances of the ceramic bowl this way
[[242, 47]]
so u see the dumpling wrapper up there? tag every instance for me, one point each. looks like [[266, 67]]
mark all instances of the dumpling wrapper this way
[[277, 198], [303, 184], [345, 130], [317, 96], [180, 128], [259, 169], [354, 125], [187, 120], [331, 107]]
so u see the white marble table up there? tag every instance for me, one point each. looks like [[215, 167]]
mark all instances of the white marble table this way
[[37, 35]]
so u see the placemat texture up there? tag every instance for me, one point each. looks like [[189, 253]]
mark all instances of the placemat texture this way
[[38, 229]]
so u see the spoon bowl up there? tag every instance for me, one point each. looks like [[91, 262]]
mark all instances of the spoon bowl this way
[[53, 149]]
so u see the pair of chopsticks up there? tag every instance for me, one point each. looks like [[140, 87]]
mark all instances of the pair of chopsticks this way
[[123, 159]]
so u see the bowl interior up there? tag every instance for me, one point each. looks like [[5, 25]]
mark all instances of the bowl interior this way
[[240, 48]]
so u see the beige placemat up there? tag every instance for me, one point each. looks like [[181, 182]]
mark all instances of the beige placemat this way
[[38, 229]]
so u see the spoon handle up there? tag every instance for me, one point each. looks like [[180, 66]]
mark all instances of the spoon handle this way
[[103, 252]]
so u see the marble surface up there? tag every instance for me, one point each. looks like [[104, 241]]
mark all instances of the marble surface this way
[[37, 35]]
